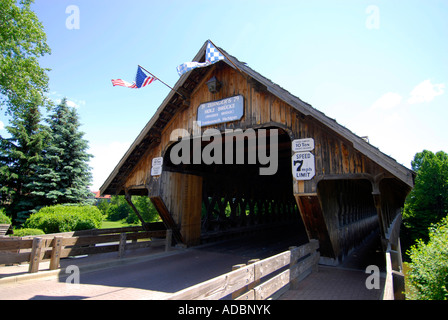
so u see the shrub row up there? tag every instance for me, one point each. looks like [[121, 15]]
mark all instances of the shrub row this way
[[27, 232], [62, 218]]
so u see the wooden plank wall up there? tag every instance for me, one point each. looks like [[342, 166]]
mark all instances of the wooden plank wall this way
[[182, 195]]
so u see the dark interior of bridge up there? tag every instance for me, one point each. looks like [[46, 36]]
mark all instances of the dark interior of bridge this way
[[237, 200]]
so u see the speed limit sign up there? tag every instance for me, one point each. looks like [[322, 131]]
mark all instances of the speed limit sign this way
[[303, 166]]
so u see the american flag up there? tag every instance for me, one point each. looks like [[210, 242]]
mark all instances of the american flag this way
[[141, 80]]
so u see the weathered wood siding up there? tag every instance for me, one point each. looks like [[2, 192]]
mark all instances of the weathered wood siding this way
[[182, 194], [335, 158], [334, 155]]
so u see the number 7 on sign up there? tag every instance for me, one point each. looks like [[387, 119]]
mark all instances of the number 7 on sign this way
[[299, 163]]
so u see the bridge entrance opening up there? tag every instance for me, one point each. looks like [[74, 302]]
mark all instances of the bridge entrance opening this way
[[247, 188]]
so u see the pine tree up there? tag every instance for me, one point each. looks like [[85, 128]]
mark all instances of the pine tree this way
[[65, 170], [18, 156]]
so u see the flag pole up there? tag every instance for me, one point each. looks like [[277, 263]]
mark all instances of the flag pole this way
[[164, 83]]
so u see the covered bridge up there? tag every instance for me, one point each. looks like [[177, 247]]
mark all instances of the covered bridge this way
[[228, 151]]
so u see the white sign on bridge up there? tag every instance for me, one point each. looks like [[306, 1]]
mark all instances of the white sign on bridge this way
[[301, 145], [157, 162], [303, 166], [156, 169]]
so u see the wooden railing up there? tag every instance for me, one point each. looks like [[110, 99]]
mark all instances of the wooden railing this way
[[53, 247], [4, 229], [258, 280], [394, 285]]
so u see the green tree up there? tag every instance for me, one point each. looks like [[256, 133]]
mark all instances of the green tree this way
[[146, 210], [22, 42], [427, 203], [118, 209], [103, 205], [64, 174], [18, 156]]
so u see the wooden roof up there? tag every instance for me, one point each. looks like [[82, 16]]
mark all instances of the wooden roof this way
[[151, 133]]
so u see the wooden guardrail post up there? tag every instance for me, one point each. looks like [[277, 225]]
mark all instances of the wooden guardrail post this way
[[294, 282], [122, 246], [251, 285], [169, 238], [237, 293], [257, 280], [35, 255], [56, 253]]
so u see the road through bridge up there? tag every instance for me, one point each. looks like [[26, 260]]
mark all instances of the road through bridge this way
[[159, 275]]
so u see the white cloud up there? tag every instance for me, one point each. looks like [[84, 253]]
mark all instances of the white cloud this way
[[106, 157], [2, 125], [72, 104], [387, 101], [425, 92]]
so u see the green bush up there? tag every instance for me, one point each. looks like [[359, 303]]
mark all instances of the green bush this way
[[146, 210], [103, 205], [27, 232], [4, 219], [62, 218], [119, 209], [428, 273]]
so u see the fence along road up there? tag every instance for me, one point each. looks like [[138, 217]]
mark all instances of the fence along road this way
[[53, 247]]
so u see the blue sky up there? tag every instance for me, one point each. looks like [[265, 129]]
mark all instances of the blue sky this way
[[380, 68]]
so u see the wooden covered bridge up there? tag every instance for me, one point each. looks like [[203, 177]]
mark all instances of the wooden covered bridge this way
[[230, 152]]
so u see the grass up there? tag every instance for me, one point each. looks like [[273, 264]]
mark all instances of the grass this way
[[115, 224]]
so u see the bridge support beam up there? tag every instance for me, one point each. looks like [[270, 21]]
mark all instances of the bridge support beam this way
[[129, 201], [175, 197], [316, 226]]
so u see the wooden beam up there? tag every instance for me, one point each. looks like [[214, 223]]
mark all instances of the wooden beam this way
[[313, 218], [129, 201], [122, 246], [36, 253], [166, 217], [56, 253]]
